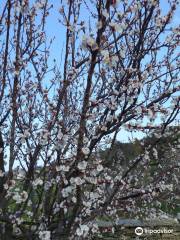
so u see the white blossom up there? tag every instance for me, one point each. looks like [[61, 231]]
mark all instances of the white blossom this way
[[78, 181], [82, 230], [1, 173], [17, 198], [99, 167], [37, 182], [67, 191], [63, 168], [117, 27], [45, 235], [105, 13], [82, 165], [85, 150]]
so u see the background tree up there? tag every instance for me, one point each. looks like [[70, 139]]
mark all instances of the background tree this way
[[119, 69]]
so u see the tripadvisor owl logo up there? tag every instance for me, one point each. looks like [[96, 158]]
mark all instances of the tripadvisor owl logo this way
[[139, 231]]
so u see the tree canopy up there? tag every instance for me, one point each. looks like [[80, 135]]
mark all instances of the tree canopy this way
[[117, 69]]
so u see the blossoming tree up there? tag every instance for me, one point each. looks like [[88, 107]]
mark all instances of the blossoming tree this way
[[119, 70]]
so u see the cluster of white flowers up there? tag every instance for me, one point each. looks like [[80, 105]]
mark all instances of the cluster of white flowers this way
[[163, 187], [89, 42], [83, 230], [45, 235], [62, 168], [24, 135], [119, 92], [20, 197], [82, 165], [116, 26], [99, 167], [37, 182], [67, 191], [77, 181], [85, 150]]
